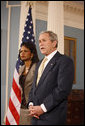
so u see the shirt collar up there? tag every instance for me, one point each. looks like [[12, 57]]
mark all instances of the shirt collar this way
[[50, 56]]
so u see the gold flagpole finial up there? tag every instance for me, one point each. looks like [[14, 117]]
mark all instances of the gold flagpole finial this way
[[30, 3]]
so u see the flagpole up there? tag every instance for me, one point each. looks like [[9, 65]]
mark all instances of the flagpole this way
[[7, 64]]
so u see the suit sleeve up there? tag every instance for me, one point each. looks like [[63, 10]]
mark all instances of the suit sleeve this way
[[30, 100], [65, 81]]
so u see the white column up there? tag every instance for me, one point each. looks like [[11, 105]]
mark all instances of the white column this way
[[23, 15], [56, 21]]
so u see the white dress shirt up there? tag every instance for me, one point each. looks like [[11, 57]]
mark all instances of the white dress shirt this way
[[49, 57]]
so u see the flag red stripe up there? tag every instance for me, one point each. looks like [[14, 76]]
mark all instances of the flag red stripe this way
[[7, 122], [14, 111], [17, 90]]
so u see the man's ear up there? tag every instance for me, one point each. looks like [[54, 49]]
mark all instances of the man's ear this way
[[54, 43]]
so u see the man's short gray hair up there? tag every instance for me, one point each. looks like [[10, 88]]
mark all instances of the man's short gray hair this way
[[52, 36]]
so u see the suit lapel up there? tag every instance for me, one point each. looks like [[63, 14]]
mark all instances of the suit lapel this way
[[49, 66], [36, 74], [21, 69]]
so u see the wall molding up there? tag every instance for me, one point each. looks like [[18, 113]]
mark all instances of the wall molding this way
[[73, 13], [42, 10]]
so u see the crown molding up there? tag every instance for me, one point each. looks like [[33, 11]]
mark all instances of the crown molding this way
[[74, 6], [42, 10]]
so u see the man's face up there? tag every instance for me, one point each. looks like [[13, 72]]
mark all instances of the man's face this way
[[46, 45], [25, 53]]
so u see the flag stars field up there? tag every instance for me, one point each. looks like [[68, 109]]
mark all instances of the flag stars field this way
[[30, 27], [28, 32], [27, 37]]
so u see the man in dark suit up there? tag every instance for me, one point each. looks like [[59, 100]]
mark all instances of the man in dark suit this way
[[48, 96]]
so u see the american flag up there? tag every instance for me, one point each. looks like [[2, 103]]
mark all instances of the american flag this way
[[13, 112]]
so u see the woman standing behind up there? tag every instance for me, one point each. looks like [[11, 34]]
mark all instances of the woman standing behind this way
[[28, 54]]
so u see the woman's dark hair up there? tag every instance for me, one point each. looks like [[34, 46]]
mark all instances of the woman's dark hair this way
[[32, 48]]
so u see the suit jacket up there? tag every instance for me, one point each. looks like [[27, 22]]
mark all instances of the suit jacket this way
[[53, 89], [25, 119], [28, 80]]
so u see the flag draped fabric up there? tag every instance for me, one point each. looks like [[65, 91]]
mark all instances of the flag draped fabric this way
[[13, 112]]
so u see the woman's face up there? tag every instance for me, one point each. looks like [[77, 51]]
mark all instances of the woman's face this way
[[25, 54]]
